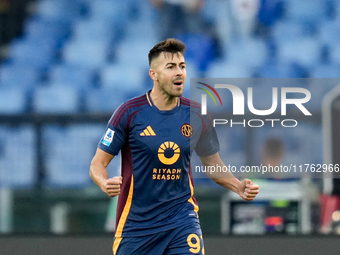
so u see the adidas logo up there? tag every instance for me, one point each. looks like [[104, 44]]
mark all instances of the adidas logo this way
[[148, 132]]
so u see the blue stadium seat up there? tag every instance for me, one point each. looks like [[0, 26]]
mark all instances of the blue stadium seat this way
[[336, 7], [98, 28], [52, 99], [19, 75], [270, 11], [209, 11], [229, 70], [68, 154], [306, 10], [141, 30], [105, 99], [334, 53], [41, 28], [115, 11], [123, 75], [288, 29], [329, 31], [200, 50], [37, 53], [146, 12], [325, 71], [91, 53], [273, 69], [13, 100], [72, 75], [18, 157], [61, 10], [133, 53], [224, 22], [302, 50], [247, 52]]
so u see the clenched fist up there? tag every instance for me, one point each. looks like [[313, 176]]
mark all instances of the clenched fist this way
[[248, 190], [112, 186]]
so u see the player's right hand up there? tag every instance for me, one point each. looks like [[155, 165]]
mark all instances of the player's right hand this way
[[112, 186]]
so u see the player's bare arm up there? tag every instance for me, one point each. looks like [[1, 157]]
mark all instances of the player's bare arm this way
[[246, 189], [98, 173]]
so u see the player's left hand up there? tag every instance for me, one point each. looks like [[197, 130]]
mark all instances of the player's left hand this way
[[248, 190]]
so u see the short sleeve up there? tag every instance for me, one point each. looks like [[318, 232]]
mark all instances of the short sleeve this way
[[115, 136], [208, 143]]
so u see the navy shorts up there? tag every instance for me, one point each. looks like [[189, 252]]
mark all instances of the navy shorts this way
[[184, 240]]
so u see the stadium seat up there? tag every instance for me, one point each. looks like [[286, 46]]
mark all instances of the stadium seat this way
[[13, 100], [288, 29], [229, 70], [105, 99], [61, 10], [270, 11], [19, 75], [325, 71], [329, 31], [56, 100], [304, 50], [133, 53], [98, 28], [116, 12], [18, 157], [92, 53], [69, 151], [141, 30], [145, 10], [71, 75], [336, 8], [123, 75], [31, 52], [209, 11], [273, 69], [306, 10], [334, 53], [41, 28], [247, 52], [200, 50]]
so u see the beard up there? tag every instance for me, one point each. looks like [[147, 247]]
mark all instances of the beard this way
[[172, 90]]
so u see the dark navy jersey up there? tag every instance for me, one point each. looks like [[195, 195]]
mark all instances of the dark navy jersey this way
[[157, 190]]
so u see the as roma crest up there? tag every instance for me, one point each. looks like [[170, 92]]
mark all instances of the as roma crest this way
[[187, 130]]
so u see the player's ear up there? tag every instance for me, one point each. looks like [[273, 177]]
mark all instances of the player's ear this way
[[153, 74]]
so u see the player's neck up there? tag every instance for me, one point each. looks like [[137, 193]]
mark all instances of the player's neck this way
[[163, 101]]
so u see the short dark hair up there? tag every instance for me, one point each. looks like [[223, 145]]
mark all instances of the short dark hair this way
[[170, 45]]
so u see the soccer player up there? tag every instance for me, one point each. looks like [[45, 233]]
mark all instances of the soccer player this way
[[156, 212]]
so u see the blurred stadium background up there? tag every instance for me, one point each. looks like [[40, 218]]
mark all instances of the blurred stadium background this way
[[66, 65]]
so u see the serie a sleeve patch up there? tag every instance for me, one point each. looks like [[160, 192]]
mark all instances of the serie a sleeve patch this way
[[107, 139]]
